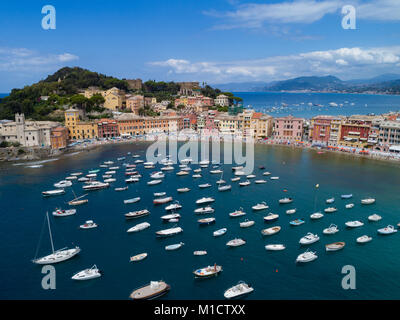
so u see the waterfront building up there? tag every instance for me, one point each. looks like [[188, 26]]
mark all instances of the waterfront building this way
[[334, 132], [354, 134], [77, 128], [107, 128], [261, 125], [59, 137], [221, 100], [320, 127], [227, 124], [27, 133], [288, 129], [389, 136]]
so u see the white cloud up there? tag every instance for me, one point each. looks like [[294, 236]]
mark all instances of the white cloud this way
[[22, 59], [343, 62]]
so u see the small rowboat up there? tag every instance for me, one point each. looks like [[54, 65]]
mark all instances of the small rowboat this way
[[270, 231], [296, 222], [335, 246], [133, 200], [220, 232], [368, 201], [138, 257], [275, 247], [174, 246]]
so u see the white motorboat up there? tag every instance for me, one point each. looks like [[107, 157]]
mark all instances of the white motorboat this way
[[216, 171], [266, 173], [291, 211], [133, 200], [387, 230], [238, 290], [114, 168], [244, 183], [106, 176], [53, 192], [196, 176], [374, 217], [220, 232], [91, 175], [89, 224], [331, 200], [239, 173], [159, 194], [162, 200], [330, 210], [349, 206], [167, 168], [64, 213], [236, 242], [139, 227], [173, 206], [260, 181], [71, 178], [368, 201], [63, 184], [307, 256], [237, 168], [316, 215], [87, 274], [109, 180], [138, 257], [168, 217], [364, 239], [76, 174], [157, 175], [207, 272], [274, 178], [275, 247], [137, 214], [237, 213], [271, 217], [131, 180], [205, 200], [108, 162], [246, 223], [354, 224], [153, 182], [250, 176], [270, 231], [174, 246], [59, 255], [83, 179], [260, 206], [205, 185], [149, 163], [309, 238], [204, 210], [199, 253], [332, 229], [220, 181], [335, 246], [169, 232], [224, 188], [206, 221], [235, 179], [96, 185], [285, 200], [121, 189], [111, 172], [197, 170], [182, 190], [182, 173], [204, 162]]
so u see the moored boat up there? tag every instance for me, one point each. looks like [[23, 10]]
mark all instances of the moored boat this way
[[335, 246], [246, 223], [139, 227], [368, 201], [133, 200], [296, 222], [153, 290], [238, 290], [172, 247], [275, 247], [53, 192], [307, 256], [260, 206], [354, 224], [271, 217], [162, 200], [285, 200], [205, 200], [387, 230], [309, 238], [138, 257], [89, 224], [220, 232], [364, 239], [87, 274], [332, 229], [207, 272], [169, 232], [271, 231], [316, 215], [206, 221], [236, 242], [374, 217], [137, 214], [64, 213]]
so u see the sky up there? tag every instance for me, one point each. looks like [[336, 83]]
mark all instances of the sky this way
[[213, 41]]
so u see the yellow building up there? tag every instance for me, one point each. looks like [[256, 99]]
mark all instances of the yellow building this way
[[261, 125], [114, 98], [78, 129]]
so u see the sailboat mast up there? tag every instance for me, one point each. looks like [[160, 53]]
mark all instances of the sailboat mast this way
[[51, 237]]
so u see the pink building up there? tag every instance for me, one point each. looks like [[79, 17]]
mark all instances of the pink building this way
[[288, 129]]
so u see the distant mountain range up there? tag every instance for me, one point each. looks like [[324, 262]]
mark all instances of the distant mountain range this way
[[386, 84]]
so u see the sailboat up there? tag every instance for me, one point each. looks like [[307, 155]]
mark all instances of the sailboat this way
[[76, 201], [59, 255], [223, 186]]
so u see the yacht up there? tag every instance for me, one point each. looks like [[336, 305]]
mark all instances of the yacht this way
[[59, 255], [169, 232], [87, 274], [307, 256], [89, 224], [374, 217], [236, 242], [387, 230], [133, 200], [204, 210], [275, 247], [220, 232], [271, 217], [364, 239], [309, 238], [368, 201], [139, 227], [330, 210], [332, 229], [64, 213], [237, 213], [137, 214], [153, 182], [174, 246], [335, 246], [260, 206], [173, 206], [316, 215], [270, 231], [238, 290], [207, 272], [354, 224], [96, 185], [205, 200], [53, 192], [151, 291], [246, 223]]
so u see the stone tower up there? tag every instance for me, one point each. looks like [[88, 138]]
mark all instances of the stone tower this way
[[20, 128]]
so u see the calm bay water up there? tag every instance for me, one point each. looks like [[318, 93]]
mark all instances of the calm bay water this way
[[297, 103], [274, 275]]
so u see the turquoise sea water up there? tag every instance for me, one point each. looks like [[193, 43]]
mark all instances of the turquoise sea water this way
[[274, 275], [297, 103]]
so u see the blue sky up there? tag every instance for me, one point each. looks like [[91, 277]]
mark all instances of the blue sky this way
[[216, 41]]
